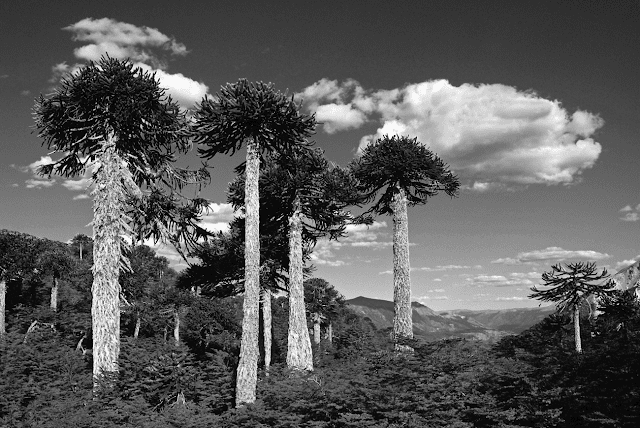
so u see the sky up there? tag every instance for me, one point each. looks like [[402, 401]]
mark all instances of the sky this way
[[534, 105]]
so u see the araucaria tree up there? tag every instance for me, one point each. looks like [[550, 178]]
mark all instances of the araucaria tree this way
[[262, 119], [307, 197], [405, 173], [115, 118], [570, 286]]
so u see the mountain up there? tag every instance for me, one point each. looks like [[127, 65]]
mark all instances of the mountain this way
[[628, 277], [427, 323], [509, 320]]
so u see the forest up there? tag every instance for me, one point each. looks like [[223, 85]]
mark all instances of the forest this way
[[100, 331]]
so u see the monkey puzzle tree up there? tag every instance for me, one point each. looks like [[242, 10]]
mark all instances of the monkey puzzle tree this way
[[17, 254], [56, 262], [570, 286], [82, 245], [263, 119], [323, 302], [115, 118], [307, 197], [407, 174]]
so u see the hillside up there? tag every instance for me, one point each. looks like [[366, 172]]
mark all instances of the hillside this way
[[510, 320], [427, 323]]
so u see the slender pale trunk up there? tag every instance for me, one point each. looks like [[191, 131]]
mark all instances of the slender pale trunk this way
[[299, 355], [316, 329], [247, 374], [54, 294], [176, 327], [576, 328], [136, 330], [80, 250], [402, 324], [266, 318], [330, 332], [3, 295], [108, 207]]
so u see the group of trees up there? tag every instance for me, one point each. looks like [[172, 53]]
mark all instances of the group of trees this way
[[116, 120], [359, 379]]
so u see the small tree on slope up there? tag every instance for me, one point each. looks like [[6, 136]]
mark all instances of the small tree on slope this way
[[406, 173], [570, 286]]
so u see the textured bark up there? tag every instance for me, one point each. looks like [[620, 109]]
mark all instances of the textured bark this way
[[316, 329], [299, 355], [136, 330], [330, 332], [266, 318], [54, 295], [247, 374], [402, 324], [3, 296], [576, 328], [108, 207], [176, 327]]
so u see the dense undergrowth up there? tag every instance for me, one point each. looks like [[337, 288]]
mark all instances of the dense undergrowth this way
[[534, 379]]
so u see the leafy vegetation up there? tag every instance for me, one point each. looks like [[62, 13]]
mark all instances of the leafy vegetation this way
[[359, 380]]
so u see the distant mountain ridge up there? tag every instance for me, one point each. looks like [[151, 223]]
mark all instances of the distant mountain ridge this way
[[432, 325], [628, 277]]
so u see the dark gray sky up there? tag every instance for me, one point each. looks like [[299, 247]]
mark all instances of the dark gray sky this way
[[535, 105]]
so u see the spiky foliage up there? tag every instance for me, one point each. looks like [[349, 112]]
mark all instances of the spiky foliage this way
[[252, 110], [570, 285], [323, 190], [116, 118], [399, 162], [220, 270], [258, 116], [406, 173]]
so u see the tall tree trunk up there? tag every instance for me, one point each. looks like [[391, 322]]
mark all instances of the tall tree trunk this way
[[299, 355], [330, 332], [54, 294], [136, 330], [247, 374], [402, 324], [3, 296], [176, 327], [266, 318], [108, 206], [576, 328], [80, 250], [316, 329]]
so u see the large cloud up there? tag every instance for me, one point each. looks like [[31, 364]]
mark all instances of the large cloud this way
[[493, 136], [145, 46]]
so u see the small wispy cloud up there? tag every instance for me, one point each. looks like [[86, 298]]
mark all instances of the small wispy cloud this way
[[551, 254], [626, 263], [34, 183], [630, 214]]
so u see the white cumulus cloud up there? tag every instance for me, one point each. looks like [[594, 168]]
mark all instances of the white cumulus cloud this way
[[493, 136], [146, 47]]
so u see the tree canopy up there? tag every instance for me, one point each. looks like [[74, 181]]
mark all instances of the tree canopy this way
[[398, 162]]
